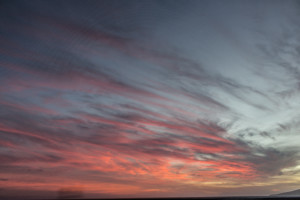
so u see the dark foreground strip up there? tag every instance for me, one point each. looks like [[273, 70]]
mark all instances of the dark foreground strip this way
[[207, 198]]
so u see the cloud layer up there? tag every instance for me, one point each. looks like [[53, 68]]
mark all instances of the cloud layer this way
[[153, 98]]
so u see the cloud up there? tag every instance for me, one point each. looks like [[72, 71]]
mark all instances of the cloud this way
[[155, 95]]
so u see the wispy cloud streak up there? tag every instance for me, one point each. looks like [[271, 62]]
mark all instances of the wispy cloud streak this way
[[190, 104]]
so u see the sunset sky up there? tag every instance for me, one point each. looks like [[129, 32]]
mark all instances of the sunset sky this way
[[149, 98]]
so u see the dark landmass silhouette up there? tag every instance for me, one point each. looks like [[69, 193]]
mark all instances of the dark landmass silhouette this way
[[216, 198], [294, 193], [212, 198], [70, 193]]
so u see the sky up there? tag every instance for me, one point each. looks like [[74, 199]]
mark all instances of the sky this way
[[149, 98]]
